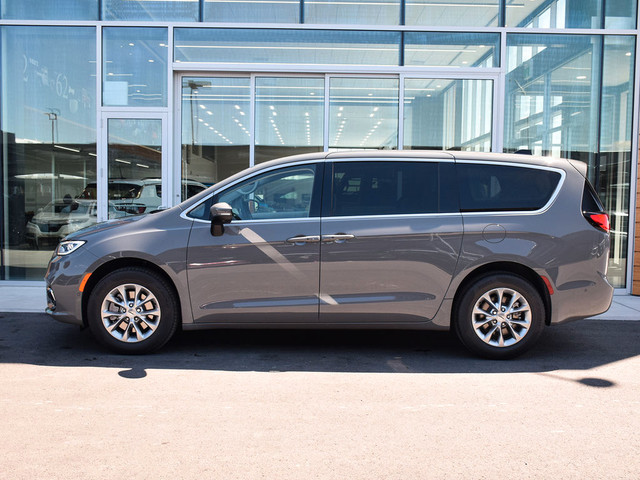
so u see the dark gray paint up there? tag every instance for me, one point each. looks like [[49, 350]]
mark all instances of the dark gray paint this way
[[377, 278]]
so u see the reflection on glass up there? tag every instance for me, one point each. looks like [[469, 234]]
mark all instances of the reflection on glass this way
[[554, 14], [363, 113], [471, 13], [309, 47], [360, 12], [50, 10], [555, 105], [452, 49], [135, 166], [615, 147], [215, 129], [289, 116], [134, 67], [441, 114], [551, 107], [620, 14], [49, 137], [283, 193], [167, 10], [248, 11]]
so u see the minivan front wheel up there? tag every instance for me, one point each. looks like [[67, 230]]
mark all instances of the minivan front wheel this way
[[132, 310], [500, 316]]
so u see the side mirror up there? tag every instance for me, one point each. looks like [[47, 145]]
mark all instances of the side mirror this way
[[221, 213]]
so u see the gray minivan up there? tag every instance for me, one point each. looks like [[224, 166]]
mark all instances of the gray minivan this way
[[494, 246]]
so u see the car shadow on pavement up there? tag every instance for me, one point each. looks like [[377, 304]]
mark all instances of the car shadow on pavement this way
[[38, 340]]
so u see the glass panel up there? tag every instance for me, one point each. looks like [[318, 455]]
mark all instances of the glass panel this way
[[385, 188], [494, 188], [472, 13], [289, 116], [552, 96], [50, 10], [452, 49], [615, 147], [620, 13], [555, 105], [135, 67], [167, 10], [442, 114], [48, 141], [554, 13], [215, 129], [258, 11], [284, 193], [367, 12], [309, 47], [135, 166], [363, 113]]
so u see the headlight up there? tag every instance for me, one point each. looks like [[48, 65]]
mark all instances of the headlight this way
[[69, 246]]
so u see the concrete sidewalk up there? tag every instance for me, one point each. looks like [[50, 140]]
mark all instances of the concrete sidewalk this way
[[32, 298]]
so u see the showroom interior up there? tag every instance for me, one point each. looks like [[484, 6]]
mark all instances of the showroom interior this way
[[110, 108]]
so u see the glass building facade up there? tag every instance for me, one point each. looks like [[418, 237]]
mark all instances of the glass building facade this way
[[110, 108]]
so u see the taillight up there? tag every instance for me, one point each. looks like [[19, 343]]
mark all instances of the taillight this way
[[141, 209], [600, 220]]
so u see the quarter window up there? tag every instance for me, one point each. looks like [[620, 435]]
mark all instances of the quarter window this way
[[504, 188], [387, 188]]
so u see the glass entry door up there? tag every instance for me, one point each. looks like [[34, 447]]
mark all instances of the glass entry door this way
[[134, 177]]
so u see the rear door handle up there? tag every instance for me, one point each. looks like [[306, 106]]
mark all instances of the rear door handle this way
[[302, 239], [337, 238]]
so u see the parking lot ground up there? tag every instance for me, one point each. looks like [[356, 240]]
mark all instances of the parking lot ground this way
[[318, 404]]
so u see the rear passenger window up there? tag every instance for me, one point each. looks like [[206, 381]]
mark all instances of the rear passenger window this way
[[388, 188], [504, 188]]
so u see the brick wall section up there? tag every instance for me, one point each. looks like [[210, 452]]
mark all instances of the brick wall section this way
[[635, 288]]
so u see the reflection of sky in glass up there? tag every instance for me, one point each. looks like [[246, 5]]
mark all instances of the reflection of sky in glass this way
[[369, 12], [50, 9], [261, 11], [311, 47], [135, 66], [452, 49], [158, 10], [48, 92], [477, 13]]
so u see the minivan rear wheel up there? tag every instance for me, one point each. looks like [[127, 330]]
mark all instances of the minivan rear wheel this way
[[132, 310], [500, 316]]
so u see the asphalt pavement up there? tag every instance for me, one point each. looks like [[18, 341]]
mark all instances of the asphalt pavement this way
[[259, 404]]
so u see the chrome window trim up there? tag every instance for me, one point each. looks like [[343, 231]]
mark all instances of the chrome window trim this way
[[393, 216], [238, 223], [320, 219], [552, 198], [393, 160]]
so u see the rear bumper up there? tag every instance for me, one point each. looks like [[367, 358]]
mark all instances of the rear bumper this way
[[578, 300]]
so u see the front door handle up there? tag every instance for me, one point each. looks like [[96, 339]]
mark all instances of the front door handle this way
[[302, 239], [337, 238]]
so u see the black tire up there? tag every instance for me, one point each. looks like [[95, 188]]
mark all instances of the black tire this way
[[150, 316], [504, 332]]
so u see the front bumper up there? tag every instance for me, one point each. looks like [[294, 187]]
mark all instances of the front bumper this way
[[63, 278]]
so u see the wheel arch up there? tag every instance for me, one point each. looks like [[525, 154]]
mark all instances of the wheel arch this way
[[513, 268], [116, 264]]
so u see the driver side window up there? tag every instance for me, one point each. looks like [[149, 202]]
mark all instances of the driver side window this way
[[284, 193]]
